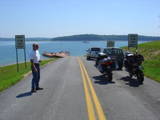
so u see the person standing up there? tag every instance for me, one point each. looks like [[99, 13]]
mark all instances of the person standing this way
[[35, 67]]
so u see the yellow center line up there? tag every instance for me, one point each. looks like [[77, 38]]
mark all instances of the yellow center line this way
[[90, 109], [98, 106]]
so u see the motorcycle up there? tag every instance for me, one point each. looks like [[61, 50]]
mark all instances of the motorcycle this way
[[135, 69], [105, 67]]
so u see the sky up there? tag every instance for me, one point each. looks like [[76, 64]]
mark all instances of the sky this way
[[54, 18]]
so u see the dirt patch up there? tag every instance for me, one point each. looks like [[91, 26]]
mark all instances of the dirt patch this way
[[156, 53]]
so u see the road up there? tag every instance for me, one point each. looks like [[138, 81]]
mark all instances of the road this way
[[74, 90]]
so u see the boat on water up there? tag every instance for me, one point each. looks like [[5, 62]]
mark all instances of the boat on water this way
[[61, 54]]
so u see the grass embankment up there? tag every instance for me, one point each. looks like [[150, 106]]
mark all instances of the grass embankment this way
[[151, 53], [9, 75]]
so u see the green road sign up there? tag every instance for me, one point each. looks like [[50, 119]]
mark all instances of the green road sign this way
[[132, 40], [110, 43], [20, 44], [20, 41]]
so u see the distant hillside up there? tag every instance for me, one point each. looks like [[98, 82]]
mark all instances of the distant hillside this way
[[88, 37], [38, 39], [27, 39], [6, 39], [93, 37]]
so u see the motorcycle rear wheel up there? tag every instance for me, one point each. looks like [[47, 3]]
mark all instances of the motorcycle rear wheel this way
[[140, 76], [110, 77]]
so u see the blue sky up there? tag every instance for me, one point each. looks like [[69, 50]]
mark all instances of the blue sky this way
[[52, 18]]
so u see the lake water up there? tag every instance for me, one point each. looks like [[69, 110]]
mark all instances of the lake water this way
[[8, 52]]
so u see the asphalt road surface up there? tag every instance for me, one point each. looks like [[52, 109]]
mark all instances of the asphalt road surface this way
[[75, 90]]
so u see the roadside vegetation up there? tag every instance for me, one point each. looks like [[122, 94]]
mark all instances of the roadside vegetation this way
[[9, 75], [151, 53]]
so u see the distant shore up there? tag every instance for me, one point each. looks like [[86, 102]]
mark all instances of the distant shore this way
[[88, 37]]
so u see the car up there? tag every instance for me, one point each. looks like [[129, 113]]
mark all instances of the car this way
[[117, 56], [92, 53]]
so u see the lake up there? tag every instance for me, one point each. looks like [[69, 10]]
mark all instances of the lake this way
[[78, 48]]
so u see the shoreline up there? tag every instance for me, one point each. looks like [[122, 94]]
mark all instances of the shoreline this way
[[72, 40], [10, 59], [14, 63]]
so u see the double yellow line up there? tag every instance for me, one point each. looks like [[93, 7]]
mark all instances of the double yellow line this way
[[94, 108]]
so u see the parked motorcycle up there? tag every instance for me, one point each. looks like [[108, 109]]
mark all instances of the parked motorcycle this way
[[133, 65], [104, 65]]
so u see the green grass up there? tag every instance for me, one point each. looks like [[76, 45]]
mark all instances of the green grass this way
[[9, 75], [151, 53]]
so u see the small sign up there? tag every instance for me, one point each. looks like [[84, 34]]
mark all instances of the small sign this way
[[110, 43], [20, 41], [132, 40], [20, 44]]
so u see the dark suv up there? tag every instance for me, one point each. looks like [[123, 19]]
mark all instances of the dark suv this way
[[117, 55]]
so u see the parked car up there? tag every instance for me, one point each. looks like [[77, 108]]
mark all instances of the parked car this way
[[93, 53], [117, 56]]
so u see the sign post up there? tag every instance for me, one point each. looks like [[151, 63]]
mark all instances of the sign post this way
[[20, 44], [133, 40], [110, 43], [17, 60]]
